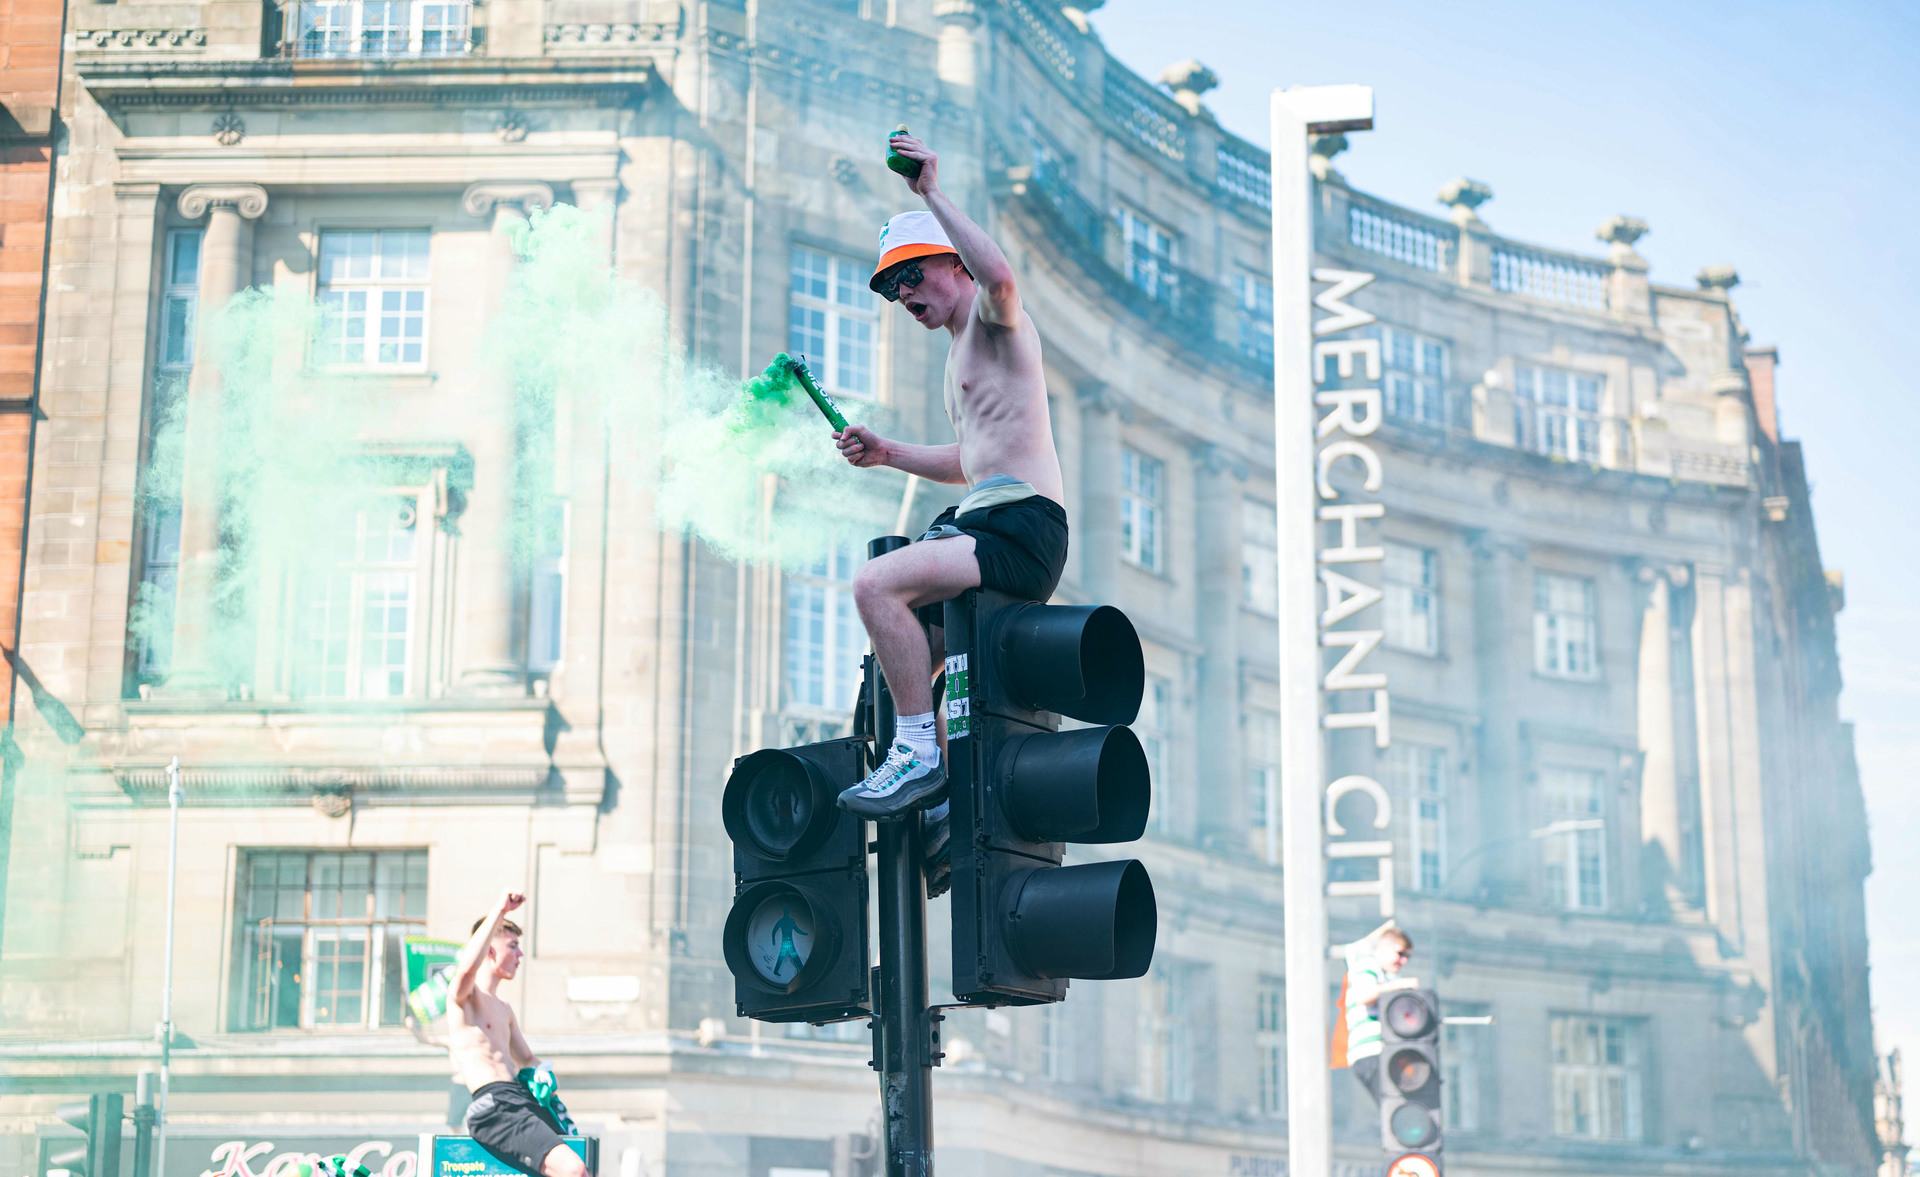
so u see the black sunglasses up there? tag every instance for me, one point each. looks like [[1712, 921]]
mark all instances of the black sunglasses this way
[[904, 274]]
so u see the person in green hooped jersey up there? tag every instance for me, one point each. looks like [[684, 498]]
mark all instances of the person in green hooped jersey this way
[[1373, 969]]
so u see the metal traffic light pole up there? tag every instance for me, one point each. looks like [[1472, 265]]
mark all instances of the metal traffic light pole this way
[[903, 1030]]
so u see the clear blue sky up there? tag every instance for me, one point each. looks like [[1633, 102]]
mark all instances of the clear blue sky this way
[[1781, 137]]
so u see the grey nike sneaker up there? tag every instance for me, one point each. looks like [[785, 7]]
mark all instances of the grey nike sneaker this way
[[903, 783]]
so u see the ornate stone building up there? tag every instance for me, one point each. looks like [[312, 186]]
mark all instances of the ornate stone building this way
[[1633, 831]]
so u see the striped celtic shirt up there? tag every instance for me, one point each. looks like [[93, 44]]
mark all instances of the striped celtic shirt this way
[[1363, 1024]]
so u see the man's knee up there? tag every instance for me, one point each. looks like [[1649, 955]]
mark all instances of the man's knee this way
[[562, 1161], [872, 586]]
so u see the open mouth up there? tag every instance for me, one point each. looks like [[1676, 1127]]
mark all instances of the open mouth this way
[[915, 307]]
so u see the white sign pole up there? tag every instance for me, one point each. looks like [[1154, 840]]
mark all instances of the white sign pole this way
[[1298, 113]]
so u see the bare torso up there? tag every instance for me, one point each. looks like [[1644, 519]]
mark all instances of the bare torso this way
[[480, 1040], [996, 397]]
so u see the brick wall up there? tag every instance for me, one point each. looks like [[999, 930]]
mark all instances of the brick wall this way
[[30, 32]]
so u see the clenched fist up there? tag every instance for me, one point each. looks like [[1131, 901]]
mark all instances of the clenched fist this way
[[861, 446]]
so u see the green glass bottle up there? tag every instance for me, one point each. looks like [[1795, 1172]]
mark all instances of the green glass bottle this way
[[910, 168]]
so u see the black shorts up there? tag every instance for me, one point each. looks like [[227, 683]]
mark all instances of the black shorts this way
[[508, 1122], [1021, 547]]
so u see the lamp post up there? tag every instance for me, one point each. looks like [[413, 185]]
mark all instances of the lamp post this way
[[175, 795], [1298, 113]]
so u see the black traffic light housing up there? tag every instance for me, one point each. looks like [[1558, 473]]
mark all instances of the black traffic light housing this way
[[1021, 789], [796, 939], [1409, 1077], [98, 1154]]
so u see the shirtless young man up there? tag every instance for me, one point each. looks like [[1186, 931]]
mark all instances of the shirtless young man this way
[[1010, 532], [487, 1049]]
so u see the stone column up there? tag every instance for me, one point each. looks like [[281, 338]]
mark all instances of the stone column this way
[[1500, 653], [1098, 535], [493, 579], [1663, 860], [957, 56], [1628, 294], [1223, 800], [226, 268], [1474, 264]]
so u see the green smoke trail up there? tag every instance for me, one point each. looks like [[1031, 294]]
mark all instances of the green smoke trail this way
[[750, 469]]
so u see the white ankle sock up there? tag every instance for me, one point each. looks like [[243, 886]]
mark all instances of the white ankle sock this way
[[917, 732]]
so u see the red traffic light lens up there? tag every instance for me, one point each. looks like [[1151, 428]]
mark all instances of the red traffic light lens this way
[[1408, 1016]]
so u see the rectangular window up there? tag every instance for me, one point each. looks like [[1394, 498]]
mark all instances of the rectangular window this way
[[1150, 252], [1168, 1035], [1414, 370], [1253, 297], [317, 937], [354, 624], [1259, 557], [1557, 412], [381, 28], [373, 298], [1575, 843], [823, 642], [1597, 1069], [1466, 1056], [547, 590], [1154, 727], [1419, 774], [1142, 487], [832, 319], [1270, 1045], [1565, 629], [160, 522], [1263, 782], [1410, 588]]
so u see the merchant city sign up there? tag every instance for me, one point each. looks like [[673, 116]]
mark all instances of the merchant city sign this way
[[1346, 375]]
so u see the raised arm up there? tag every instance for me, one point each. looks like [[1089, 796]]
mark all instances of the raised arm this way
[[466, 966], [999, 298], [935, 463]]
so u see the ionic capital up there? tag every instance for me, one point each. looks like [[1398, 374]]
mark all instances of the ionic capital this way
[[249, 200], [482, 198]]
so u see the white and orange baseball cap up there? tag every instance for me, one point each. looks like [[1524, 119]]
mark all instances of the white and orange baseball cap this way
[[907, 236]]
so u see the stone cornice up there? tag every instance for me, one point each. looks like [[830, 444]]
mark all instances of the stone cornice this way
[[278, 783], [435, 82], [112, 40], [482, 198], [249, 200]]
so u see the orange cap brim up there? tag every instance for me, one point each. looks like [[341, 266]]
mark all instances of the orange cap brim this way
[[905, 253]]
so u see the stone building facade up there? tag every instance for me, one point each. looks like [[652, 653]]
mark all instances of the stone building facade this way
[[1634, 831]]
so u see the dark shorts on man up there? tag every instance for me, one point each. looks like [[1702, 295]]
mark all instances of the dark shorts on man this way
[[508, 1122], [1021, 547]]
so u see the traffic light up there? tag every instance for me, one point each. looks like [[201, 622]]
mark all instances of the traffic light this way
[[1021, 789], [796, 939], [1410, 1071], [98, 1120]]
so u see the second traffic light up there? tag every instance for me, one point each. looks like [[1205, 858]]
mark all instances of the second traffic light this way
[[1410, 1111], [1023, 924], [796, 939]]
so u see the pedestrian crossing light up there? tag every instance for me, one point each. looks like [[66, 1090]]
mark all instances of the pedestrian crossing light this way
[[1021, 789], [796, 939], [1409, 1078]]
